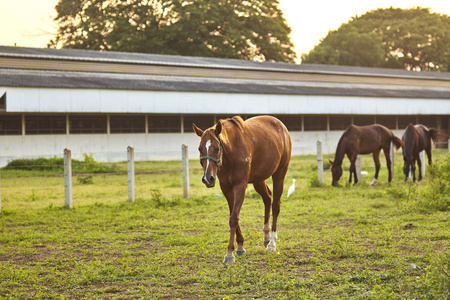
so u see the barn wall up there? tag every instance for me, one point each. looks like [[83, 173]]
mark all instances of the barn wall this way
[[112, 147], [123, 101]]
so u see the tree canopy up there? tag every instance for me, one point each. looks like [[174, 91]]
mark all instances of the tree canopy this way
[[412, 39], [249, 29]]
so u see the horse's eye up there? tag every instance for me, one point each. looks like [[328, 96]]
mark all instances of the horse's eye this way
[[216, 150]]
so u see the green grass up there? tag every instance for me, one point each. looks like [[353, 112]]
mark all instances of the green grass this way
[[350, 242]]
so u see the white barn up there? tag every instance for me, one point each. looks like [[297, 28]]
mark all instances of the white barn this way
[[101, 102]]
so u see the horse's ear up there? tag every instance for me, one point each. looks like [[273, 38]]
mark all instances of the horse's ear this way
[[218, 129], [331, 162], [197, 130]]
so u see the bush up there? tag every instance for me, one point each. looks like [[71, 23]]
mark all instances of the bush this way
[[436, 196], [88, 165], [314, 181], [438, 276], [39, 164], [85, 179]]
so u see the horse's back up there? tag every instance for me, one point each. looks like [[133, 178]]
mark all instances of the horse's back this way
[[366, 139], [270, 144]]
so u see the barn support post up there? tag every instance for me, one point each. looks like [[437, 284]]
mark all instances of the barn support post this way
[[68, 177], [422, 163], [320, 162], [185, 162], [358, 168], [130, 172], [391, 156]]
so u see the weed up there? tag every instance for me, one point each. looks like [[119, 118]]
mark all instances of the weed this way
[[314, 181], [89, 179], [438, 276], [33, 196]]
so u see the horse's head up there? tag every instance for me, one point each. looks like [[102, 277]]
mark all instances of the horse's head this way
[[336, 170], [211, 150]]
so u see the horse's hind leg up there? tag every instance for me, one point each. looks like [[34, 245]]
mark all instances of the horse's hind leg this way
[[278, 184], [428, 151], [262, 189], [353, 169], [419, 163], [376, 160], [387, 154]]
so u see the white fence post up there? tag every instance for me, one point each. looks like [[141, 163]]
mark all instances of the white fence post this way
[[358, 168], [391, 155], [422, 162], [68, 177], [320, 162], [131, 181], [185, 161]]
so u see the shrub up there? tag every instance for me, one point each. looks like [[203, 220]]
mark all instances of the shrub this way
[[85, 179], [436, 195], [438, 276], [88, 165], [314, 181]]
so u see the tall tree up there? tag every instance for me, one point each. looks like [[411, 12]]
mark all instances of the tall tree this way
[[249, 29], [412, 39]]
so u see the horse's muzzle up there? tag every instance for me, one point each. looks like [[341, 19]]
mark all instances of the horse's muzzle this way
[[209, 180]]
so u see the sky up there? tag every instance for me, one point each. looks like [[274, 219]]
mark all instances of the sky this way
[[29, 23]]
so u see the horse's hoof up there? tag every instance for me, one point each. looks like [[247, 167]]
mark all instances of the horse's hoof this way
[[240, 252], [271, 248], [228, 259]]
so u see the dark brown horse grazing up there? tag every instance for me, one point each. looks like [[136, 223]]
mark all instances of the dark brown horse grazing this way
[[418, 138], [246, 152], [363, 140]]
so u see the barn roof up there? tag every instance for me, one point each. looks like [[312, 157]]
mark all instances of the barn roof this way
[[69, 68]]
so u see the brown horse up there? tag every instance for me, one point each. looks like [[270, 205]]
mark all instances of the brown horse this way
[[418, 138], [363, 140], [246, 152]]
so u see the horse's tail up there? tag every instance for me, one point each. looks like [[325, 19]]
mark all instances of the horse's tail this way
[[437, 135], [398, 143]]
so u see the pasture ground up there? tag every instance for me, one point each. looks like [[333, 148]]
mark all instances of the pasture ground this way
[[350, 242]]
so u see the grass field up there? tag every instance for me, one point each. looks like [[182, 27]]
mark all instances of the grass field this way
[[390, 241]]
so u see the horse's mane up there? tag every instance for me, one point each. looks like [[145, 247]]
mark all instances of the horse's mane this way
[[236, 120]]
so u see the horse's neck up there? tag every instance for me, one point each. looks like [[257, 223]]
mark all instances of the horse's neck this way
[[340, 153]]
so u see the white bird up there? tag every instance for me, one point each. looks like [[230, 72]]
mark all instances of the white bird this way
[[291, 188]]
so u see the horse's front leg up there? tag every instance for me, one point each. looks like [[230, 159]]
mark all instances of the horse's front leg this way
[[236, 197]]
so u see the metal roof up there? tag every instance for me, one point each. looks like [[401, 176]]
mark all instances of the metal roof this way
[[172, 60], [89, 80], [265, 83]]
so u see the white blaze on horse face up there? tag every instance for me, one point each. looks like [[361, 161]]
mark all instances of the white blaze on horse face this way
[[207, 145]]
